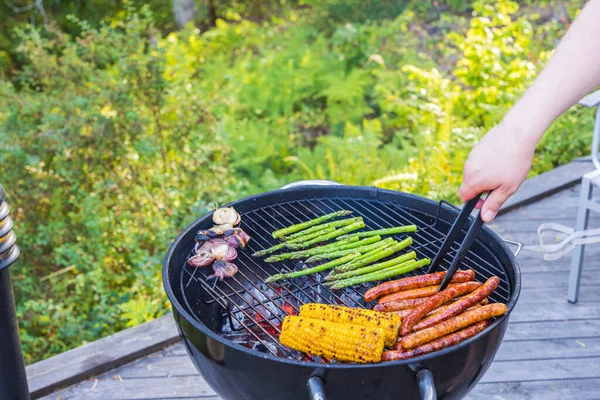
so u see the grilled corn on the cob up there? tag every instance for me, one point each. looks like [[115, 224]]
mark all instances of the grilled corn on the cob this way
[[390, 323], [342, 341]]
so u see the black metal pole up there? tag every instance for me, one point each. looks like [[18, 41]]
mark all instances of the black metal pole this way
[[13, 380]]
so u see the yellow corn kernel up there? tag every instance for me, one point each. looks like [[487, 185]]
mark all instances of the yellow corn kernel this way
[[390, 323], [343, 342]]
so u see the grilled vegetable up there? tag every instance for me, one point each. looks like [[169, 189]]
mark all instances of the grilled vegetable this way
[[310, 252], [375, 257], [344, 342], [389, 272], [313, 270], [372, 268], [390, 323], [298, 227], [381, 232], [333, 224], [270, 250], [223, 251], [236, 237], [323, 238], [202, 259], [223, 269], [226, 215], [362, 247]]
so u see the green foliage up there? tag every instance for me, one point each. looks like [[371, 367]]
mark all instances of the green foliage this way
[[117, 134]]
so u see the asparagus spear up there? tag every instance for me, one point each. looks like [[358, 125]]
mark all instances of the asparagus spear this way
[[375, 257], [298, 227], [312, 270], [310, 236], [372, 268], [334, 224], [385, 231], [323, 238], [309, 252], [390, 272], [363, 246], [379, 246]]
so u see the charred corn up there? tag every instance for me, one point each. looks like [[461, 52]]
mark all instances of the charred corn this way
[[343, 342], [390, 323]]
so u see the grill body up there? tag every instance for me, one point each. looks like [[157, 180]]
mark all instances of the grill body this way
[[237, 372]]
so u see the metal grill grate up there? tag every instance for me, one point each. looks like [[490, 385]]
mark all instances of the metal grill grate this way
[[253, 309]]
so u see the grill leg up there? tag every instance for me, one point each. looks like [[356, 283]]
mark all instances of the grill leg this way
[[13, 381], [583, 214]]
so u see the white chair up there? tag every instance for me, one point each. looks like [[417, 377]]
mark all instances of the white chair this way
[[586, 201]]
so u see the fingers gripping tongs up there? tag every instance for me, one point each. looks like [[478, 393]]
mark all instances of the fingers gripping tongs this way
[[458, 225]]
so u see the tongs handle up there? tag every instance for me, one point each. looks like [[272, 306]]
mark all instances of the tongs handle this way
[[459, 223], [465, 245]]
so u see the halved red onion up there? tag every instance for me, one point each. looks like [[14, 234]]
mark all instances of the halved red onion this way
[[232, 241], [223, 251], [223, 269], [202, 259], [207, 246]]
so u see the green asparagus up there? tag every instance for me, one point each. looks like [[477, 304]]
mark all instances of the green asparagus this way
[[375, 257], [377, 247], [270, 250], [313, 235], [372, 268], [310, 252], [334, 224], [312, 270], [390, 272], [332, 235], [279, 246], [362, 247], [380, 232], [298, 227]]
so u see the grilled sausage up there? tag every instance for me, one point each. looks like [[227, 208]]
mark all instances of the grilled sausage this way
[[459, 306], [402, 313], [442, 343], [417, 293], [415, 282], [443, 308], [398, 305], [433, 302], [452, 325]]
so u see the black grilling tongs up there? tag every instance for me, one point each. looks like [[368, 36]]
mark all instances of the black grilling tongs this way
[[458, 225]]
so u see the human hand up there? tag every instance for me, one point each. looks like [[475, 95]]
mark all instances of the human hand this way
[[500, 163]]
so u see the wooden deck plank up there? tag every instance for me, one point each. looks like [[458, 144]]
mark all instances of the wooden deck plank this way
[[97, 357], [111, 387], [549, 349], [535, 370], [580, 389]]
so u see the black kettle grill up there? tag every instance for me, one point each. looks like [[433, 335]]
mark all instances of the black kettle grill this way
[[230, 328]]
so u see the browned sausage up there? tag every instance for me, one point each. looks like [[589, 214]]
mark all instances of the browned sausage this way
[[402, 313], [398, 305], [433, 302], [415, 282], [417, 293], [445, 307], [458, 306], [442, 343], [452, 325]]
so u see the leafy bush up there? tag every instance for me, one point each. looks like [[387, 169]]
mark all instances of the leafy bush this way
[[118, 137]]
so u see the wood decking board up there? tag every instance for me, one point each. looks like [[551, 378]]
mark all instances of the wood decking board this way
[[551, 348]]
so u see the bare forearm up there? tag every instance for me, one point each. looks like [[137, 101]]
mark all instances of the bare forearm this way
[[572, 72]]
